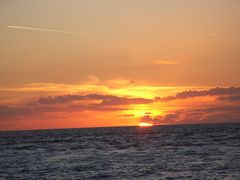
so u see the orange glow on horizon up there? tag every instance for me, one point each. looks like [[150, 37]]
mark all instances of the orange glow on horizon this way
[[145, 124]]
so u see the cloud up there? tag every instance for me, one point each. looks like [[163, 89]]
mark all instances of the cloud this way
[[165, 62], [116, 100], [126, 115], [229, 98], [157, 120], [92, 107], [63, 103], [153, 120], [109, 103], [197, 115], [6, 111], [24, 111], [216, 109], [60, 99], [27, 111], [215, 35], [211, 92], [109, 100], [113, 100], [52, 30], [106, 100]]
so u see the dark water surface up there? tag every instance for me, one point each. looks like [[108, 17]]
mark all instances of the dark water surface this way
[[160, 152]]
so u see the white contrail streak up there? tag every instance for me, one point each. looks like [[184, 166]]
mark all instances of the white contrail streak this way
[[52, 30]]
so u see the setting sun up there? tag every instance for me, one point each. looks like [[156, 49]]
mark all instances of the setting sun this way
[[145, 124]]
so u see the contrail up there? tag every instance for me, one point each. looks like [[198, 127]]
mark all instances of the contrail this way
[[52, 30]]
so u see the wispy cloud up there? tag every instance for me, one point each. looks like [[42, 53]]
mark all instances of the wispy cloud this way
[[52, 30], [166, 62]]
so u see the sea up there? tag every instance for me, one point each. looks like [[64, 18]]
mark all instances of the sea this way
[[207, 151]]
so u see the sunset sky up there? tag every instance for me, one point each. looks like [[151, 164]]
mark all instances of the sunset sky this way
[[94, 63]]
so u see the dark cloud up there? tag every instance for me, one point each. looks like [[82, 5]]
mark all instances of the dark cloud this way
[[106, 99], [93, 107], [6, 111], [60, 99], [198, 115], [216, 109], [126, 101], [169, 118], [110, 100], [152, 120], [229, 98], [51, 104], [211, 92], [26, 111]]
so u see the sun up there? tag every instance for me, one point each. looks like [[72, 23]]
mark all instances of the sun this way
[[145, 124]]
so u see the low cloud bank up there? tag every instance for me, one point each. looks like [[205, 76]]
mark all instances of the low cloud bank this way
[[197, 115]]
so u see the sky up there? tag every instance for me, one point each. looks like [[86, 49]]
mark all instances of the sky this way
[[91, 63]]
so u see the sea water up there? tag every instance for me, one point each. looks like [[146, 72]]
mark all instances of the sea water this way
[[158, 152]]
